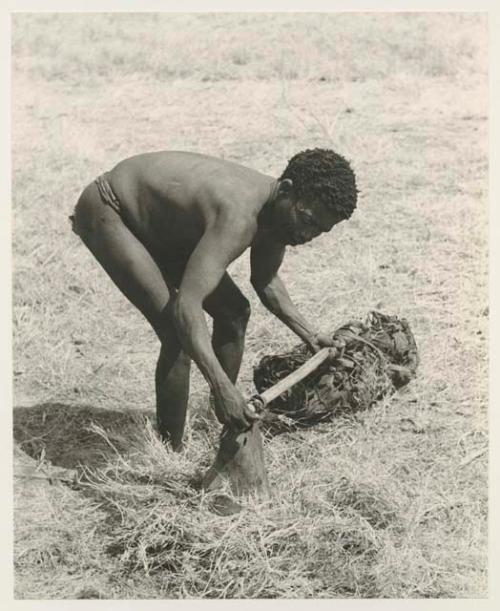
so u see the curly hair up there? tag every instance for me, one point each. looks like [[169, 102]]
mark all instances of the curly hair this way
[[323, 175]]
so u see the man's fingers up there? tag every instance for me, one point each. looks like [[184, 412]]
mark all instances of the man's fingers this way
[[239, 420], [251, 413], [247, 420]]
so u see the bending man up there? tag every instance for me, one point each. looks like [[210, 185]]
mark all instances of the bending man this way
[[166, 225]]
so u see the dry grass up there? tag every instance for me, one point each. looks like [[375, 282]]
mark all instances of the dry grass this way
[[391, 502]]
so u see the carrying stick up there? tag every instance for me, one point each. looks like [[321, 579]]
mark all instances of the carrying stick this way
[[259, 402]]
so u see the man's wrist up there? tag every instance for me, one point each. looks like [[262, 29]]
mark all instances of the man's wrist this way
[[222, 388], [312, 339]]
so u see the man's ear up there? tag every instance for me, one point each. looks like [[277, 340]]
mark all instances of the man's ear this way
[[285, 187]]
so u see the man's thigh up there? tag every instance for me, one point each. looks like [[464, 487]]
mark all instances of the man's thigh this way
[[122, 255]]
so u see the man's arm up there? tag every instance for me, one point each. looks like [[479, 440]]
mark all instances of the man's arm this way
[[224, 240], [266, 257]]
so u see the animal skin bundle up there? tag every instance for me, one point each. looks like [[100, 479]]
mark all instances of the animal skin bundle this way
[[378, 357]]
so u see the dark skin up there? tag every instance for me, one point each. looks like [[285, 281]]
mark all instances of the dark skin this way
[[184, 218]]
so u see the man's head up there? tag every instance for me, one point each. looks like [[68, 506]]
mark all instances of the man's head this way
[[316, 191]]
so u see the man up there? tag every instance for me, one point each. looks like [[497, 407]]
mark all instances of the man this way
[[166, 225]]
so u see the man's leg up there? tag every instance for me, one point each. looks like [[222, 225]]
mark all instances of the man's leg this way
[[230, 311], [172, 388], [137, 275]]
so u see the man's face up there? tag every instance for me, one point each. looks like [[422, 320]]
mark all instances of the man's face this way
[[303, 222]]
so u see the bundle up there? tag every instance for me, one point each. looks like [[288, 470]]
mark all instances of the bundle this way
[[376, 357]]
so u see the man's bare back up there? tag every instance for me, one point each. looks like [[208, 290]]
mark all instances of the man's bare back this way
[[169, 198], [166, 225]]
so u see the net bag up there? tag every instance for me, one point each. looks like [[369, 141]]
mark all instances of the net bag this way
[[378, 357]]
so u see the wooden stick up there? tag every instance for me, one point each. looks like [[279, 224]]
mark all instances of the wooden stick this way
[[259, 402]]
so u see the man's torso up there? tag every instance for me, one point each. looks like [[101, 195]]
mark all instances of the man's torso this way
[[169, 198]]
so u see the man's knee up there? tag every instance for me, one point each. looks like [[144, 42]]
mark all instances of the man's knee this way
[[163, 324], [235, 319], [171, 353], [240, 313]]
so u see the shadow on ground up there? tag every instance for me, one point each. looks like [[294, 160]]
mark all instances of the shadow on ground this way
[[64, 433]]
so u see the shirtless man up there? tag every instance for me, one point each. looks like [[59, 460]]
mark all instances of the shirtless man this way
[[166, 225]]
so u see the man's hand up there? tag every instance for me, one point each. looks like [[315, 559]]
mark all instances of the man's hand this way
[[322, 340], [233, 411]]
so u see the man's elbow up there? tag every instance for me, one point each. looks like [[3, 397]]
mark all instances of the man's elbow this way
[[261, 286], [267, 296]]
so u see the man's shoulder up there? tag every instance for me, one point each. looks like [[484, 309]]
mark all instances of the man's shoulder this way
[[199, 167], [185, 158], [162, 160]]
